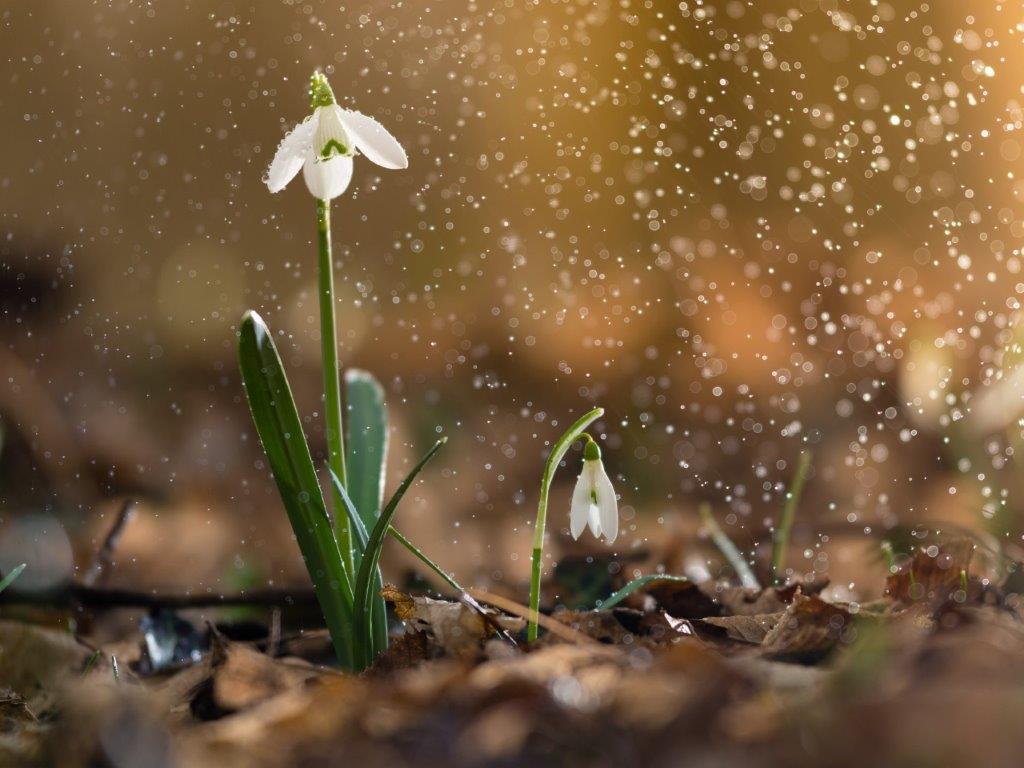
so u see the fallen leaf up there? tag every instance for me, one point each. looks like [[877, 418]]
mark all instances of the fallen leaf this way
[[747, 629], [457, 628], [742, 601], [31, 658], [684, 599], [935, 574], [807, 631]]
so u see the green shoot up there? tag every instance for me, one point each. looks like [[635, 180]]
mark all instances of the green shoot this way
[[617, 597], [781, 537], [371, 557], [728, 549], [10, 577], [558, 452], [890, 556]]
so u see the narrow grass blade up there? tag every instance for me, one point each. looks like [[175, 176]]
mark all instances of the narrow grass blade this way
[[10, 577], [360, 538], [280, 430], [571, 435], [366, 444], [417, 552], [617, 597], [371, 557], [728, 549], [463, 594], [781, 538]]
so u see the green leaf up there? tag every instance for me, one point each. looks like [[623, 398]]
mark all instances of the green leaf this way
[[727, 548], [367, 443], [781, 538], [379, 616], [617, 597], [280, 430], [10, 577], [418, 553], [371, 556]]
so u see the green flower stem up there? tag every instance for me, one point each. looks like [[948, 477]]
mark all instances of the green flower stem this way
[[557, 454], [332, 380]]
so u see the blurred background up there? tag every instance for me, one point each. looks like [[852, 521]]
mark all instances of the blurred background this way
[[745, 229]]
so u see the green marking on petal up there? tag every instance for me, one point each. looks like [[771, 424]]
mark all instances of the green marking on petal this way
[[333, 147]]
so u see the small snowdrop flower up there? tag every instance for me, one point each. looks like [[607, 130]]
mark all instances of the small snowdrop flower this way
[[323, 145], [593, 500]]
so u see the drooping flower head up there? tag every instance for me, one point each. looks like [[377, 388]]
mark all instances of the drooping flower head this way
[[323, 145], [593, 500]]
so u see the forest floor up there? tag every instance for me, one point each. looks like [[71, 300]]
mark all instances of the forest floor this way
[[680, 673]]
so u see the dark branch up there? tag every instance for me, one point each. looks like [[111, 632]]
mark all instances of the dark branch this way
[[81, 596]]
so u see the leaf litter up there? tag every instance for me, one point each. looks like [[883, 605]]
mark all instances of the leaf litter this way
[[680, 671]]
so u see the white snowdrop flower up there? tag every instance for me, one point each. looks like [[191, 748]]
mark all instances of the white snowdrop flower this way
[[323, 145], [593, 500]]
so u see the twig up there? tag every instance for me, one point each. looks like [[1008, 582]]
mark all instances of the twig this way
[[82, 596], [105, 556], [553, 626]]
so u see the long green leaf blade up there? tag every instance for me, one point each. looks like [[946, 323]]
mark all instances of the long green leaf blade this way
[[10, 577], [367, 443], [781, 538], [727, 548], [617, 597], [379, 616], [280, 430], [371, 557]]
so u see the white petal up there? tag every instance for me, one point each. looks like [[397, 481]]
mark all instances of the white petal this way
[[579, 510], [330, 138], [607, 505], [594, 520], [291, 154], [326, 179], [373, 140]]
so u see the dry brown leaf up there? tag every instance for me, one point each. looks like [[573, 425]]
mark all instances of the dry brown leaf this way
[[748, 629], [935, 574], [458, 629], [31, 658], [741, 601], [405, 608], [245, 677], [405, 652], [807, 631], [684, 599]]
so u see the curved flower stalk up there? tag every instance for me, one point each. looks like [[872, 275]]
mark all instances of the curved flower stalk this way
[[324, 144], [558, 451], [593, 501]]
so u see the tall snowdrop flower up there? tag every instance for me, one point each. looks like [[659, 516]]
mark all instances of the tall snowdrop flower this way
[[323, 145], [593, 500]]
